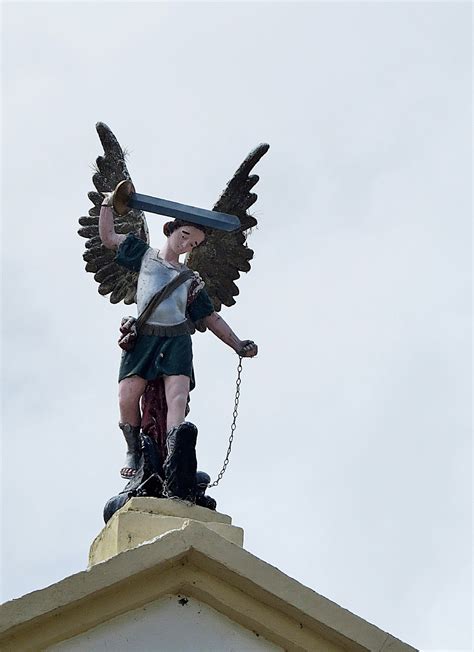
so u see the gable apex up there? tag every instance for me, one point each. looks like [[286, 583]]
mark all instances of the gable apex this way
[[198, 562]]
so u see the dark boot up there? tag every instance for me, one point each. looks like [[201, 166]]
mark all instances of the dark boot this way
[[202, 483], [180, 464], [132, 457]]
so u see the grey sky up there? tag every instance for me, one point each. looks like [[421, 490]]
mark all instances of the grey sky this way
[[352, 463]]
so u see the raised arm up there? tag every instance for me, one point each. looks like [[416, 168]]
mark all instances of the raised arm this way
[[220, 328], [109, 238]]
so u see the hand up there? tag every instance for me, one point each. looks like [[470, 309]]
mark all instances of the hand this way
[[248, 349]]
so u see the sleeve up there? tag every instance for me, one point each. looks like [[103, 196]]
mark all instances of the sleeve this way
[[200, 307], [130, 252]]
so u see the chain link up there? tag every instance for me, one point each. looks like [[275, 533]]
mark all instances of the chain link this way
[[233, 426]]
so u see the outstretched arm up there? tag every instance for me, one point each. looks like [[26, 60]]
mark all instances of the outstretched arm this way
[[223, 331], [109, 238]]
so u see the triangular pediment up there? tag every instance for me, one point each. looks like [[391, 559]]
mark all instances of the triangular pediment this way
[[191, 562]]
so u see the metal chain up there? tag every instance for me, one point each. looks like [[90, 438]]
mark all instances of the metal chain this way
[[233, 426]]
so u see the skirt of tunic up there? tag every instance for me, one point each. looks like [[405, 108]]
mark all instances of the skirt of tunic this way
[[154, 356]]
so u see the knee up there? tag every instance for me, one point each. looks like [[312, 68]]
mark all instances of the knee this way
[[123, 395], [179, 399], [129, 393], [124, 399]]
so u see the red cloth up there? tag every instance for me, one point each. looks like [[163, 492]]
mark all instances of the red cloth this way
[[154, 413]]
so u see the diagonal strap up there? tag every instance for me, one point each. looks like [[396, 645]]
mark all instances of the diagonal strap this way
[[163, 294]]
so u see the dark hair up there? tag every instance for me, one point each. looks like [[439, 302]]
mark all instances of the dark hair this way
[[170, 227]]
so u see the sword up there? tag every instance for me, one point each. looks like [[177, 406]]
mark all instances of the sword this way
[[125, 198]]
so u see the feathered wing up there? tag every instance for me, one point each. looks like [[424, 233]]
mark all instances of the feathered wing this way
[[223, 256], [117, 281]]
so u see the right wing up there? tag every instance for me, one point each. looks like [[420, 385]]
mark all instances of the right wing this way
[[113, 279]]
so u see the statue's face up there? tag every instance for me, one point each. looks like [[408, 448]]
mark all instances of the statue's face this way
[[184, 239]]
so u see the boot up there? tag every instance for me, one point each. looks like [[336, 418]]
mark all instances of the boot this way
[[202, 483], [132, 456], [180, 464]]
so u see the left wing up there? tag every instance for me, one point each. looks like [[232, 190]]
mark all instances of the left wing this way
[[222, 256]]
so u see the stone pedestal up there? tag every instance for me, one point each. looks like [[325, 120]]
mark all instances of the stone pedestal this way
[[144, 519]]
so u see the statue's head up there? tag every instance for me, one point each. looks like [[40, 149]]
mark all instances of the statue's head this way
[[184, 236]]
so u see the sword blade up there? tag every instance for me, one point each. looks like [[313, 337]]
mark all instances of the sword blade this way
[[212, 219]]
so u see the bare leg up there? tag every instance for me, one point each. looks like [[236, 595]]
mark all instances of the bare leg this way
[[177, 391], [130, 392]]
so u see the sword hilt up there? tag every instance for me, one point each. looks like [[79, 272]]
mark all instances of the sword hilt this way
[[121, 196]]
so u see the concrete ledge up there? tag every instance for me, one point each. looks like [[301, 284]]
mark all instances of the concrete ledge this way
[[173, 507], [144, 519]]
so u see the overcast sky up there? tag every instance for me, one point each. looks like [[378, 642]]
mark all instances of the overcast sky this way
[[351, 468]]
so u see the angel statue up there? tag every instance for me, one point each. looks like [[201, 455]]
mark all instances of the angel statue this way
[[174, 299]]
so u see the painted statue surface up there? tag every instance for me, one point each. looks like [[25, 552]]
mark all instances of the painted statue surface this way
[[193, 274]]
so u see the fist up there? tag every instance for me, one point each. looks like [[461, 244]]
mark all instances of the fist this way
[[248, 349]]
